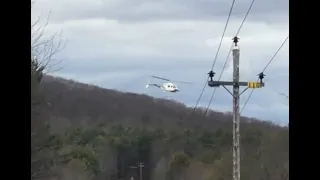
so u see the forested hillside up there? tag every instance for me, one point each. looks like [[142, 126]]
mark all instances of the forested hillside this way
[[81, 131]]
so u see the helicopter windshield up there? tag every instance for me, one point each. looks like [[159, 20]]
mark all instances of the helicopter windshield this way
[[172, 86]]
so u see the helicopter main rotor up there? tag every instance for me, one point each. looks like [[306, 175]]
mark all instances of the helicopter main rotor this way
[[183, 82]]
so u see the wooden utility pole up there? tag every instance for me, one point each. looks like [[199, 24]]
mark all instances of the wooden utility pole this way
[[236, 99], [236, 114], [132, 167]]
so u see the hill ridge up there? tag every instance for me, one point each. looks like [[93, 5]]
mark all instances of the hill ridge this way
[[71, 99]]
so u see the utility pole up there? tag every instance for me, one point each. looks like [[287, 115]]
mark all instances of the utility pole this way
[[132, 167], [141, 165], [236, 99], [236, 114]]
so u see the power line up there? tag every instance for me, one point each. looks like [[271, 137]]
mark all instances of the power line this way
[[215, 59], [224, 31], [284, 95], [224, 66], [195, 107], [245, 17], [245, 104], [279, 93], [275, 54], [225, 63]]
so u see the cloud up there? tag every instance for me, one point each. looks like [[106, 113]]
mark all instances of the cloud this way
[[154, 10], [118, 43]]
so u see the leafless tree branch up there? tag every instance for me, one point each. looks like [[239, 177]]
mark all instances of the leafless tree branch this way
[[43, 47]]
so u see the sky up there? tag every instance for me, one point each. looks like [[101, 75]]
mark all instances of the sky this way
[[118, 44]]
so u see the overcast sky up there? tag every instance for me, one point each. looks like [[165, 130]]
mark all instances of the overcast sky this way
[[117, 44]]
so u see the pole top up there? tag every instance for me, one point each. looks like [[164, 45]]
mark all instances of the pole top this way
[[236, 48]]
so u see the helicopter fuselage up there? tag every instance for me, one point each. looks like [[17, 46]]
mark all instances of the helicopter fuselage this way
[[170, 87]]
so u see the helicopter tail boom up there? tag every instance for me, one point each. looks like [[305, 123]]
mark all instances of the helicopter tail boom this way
[[156, 85]]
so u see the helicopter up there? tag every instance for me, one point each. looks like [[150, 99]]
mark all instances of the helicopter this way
[[169, 86]]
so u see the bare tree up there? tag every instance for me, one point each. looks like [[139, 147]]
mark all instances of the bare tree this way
[[44, 47]]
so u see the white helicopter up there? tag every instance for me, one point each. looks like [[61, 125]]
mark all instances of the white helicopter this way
[[168, 86]]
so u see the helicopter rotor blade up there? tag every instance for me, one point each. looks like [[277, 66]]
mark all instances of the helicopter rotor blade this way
[[160, 78], [183, 82]]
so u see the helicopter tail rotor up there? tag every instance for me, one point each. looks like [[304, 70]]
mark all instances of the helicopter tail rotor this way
[[148, 83]]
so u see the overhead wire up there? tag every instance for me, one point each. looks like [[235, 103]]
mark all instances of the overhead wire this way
[[224, 31], [204, 87], [264, 69], [283, 94], [279, 93], [215, 59], [214, 91], [226, 61]]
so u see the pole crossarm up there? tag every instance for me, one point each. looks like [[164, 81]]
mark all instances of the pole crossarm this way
[[249, 84]]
